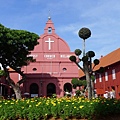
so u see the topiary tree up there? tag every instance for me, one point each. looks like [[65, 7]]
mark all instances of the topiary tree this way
[[84, 33], [86, 59], [74, 82], [78, 83]]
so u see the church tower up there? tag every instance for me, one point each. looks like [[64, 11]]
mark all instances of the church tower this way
[[53, 71]]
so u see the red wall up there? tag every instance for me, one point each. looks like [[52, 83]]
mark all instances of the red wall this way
[[106, 85]]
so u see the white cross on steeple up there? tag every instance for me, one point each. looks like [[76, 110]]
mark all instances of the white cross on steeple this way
[[49, 43]]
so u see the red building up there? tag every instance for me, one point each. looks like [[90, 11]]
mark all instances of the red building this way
[[110, 79], [53, 71]]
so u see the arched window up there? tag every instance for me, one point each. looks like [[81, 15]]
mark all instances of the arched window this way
[[34, 90], [67, 87], [64, 69], [34, 69], [49, 30], [51, 89]]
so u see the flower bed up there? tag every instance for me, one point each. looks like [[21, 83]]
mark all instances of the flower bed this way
[[59, 108]]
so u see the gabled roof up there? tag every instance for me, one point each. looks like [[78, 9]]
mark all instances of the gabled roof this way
[[107, 60]]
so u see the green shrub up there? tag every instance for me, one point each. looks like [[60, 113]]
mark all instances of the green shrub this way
[[43, 108]]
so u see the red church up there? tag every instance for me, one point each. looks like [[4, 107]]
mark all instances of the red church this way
[[53, 71]]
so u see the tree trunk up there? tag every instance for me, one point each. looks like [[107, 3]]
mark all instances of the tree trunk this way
[[17, 91], [88, 79], [93, 93], [16, 87]]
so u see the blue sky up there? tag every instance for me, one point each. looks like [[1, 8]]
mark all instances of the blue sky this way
[[102, 17]]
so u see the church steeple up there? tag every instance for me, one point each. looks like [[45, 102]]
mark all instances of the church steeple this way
[[49, 28]]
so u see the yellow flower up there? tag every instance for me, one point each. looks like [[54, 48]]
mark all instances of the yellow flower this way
[[75, 107], [28, 101], [37, 105], [30, 106], [81, 106], [47, 103], [68, 100], [54, 104]]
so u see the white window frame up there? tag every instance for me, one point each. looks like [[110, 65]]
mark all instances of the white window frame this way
[[95, 80], [19, 77], [113, 74], [106, 76], [100, 78]]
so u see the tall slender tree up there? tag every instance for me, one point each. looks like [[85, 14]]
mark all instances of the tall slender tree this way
[[15, 47], [87, 68]]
